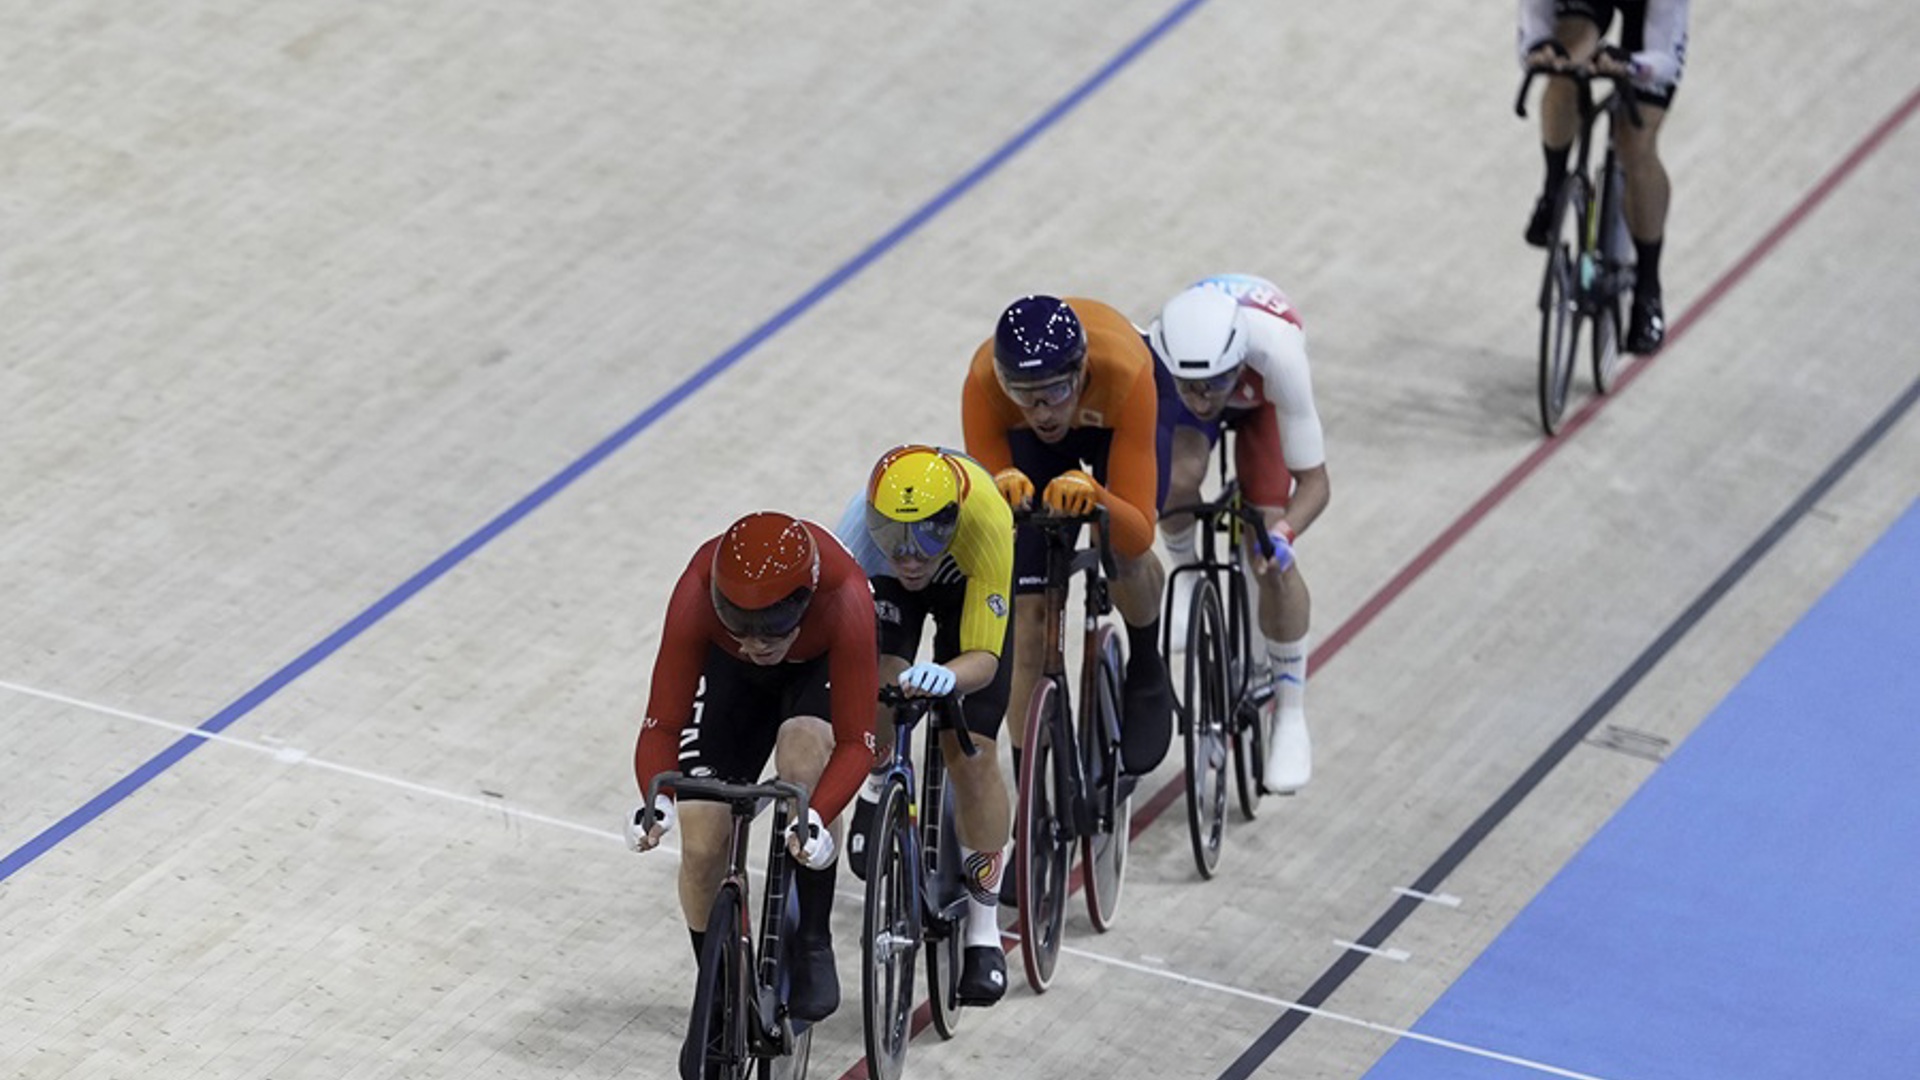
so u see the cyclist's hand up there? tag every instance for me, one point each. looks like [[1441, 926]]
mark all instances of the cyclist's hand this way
[[927, 680], [1612, 60], [810, 843], [1281, 537], [662, 822], [1549, 55], [1014, 487], [1072, 492]]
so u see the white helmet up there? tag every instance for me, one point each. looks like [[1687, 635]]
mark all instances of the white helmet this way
[[1201, 333]]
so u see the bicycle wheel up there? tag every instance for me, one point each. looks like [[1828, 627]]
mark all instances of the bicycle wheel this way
[[716, 1047], [1609, 325], [890, 935], [946, 941], [1246, 723], [1103, 849], [1560, 290], [1205, 679], [1040, 837]]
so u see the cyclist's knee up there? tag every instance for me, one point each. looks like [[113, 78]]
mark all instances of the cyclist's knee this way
[[801, 752]]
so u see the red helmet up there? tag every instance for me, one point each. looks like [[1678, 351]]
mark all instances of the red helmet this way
[[765, 569]]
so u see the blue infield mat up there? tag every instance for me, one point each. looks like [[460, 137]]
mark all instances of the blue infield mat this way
[[1754, 910]]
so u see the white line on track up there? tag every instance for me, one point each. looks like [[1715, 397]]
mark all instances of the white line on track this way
[[290, 755], [1324, 1014], [294, 756]]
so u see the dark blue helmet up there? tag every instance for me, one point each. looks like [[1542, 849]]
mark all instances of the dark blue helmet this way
[[1039, 339]]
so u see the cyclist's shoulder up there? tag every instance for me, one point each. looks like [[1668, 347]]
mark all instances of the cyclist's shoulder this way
[[1114, 344]]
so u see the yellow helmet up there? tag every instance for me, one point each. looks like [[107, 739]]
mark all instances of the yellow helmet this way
[[913, 502]]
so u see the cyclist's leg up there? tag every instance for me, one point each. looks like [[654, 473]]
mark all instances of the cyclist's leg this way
[[800, 754], [1190, 447], [1041, 462], [1578, 25], [1648, 193], [902, 616], [1285, 605], [984, 822], [730, 738], [1137, 590]]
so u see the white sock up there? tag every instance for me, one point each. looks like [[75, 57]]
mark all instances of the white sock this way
[[982, 870], [870, 790], [1179, 541], [1289, 660]]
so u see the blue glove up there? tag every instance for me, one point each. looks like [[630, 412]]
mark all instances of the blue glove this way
[[1282, 537], [933, 680]]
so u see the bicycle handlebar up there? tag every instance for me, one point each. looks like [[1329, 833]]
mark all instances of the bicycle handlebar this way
[[1049, 521], [1582, 74], [1225, 505], [739, 795], [896, 698]]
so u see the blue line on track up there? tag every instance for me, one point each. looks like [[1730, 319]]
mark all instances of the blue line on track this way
[[359, 624]]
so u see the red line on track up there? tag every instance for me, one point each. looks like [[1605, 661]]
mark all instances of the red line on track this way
[[1158, 803]]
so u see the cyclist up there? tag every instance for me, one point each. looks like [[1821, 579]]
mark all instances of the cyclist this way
[[767, 650], [1567, 34], [1232, 354], [1064, 386], [936, 539]]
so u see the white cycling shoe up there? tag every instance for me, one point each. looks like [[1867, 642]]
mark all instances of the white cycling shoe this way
[[1290, 758]]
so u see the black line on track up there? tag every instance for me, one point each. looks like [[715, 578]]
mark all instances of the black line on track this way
[[1376, 935]]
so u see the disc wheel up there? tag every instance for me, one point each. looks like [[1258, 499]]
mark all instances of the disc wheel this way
[[890, 936], [1103, 850], [1041, 853]]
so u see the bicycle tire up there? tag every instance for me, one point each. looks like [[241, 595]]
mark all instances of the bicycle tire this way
[[716, 1047], [1103, 849], [1205, 680], [1560, 293], [1247, 722], [1040, 845], [945, 883], [890, 935]]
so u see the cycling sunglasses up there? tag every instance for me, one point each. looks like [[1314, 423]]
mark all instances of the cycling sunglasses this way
[[927, 538]]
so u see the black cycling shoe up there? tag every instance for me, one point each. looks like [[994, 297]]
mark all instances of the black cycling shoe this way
[[1540, 225], [983, 975], [1146, 728], [857, 832], [815, 991], [1648, 326]]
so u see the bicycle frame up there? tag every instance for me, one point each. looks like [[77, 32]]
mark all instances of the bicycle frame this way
[[930, 812], [770, 1033], [1228, 515], [1063, 562], [1586, 282]]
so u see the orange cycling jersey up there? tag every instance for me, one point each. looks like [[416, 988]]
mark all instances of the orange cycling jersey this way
[[1118, 394]]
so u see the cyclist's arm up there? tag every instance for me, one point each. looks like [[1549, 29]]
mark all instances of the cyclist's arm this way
[[1279, 354], [983, 549], [1536, 28], [676, 675], [855, 686], [1664, 49], [1133, 467], [1311, 490]]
